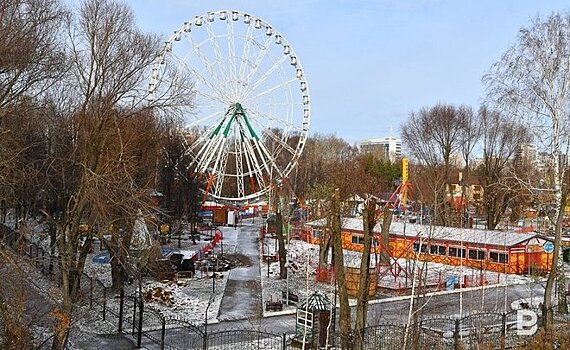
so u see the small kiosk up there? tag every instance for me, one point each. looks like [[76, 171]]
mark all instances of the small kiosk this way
[[314, 321]]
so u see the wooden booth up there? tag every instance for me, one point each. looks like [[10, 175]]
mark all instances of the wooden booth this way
[[314, 316]]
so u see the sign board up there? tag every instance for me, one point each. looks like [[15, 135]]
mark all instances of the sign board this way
[[231, 221], [451, 282], [548, 247]]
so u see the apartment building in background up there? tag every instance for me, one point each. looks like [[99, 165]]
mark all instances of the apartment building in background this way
[[390, 147]]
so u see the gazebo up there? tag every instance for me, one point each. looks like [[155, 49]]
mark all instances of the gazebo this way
[[314, 322]]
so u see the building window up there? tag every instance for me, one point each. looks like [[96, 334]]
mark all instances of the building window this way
[[476, 254], [437, 250], [357, 239], [499, 257], [417, 247], [305, 318], [457, 252]]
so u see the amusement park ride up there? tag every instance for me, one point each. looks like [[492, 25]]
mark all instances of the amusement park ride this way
[[249, 111], [398, 200], [250, 114]]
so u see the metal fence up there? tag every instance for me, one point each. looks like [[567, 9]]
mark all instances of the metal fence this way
[[476, 331], [45, 262]]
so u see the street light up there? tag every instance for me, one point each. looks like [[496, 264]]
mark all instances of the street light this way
[[140, 243], [267, 257], [287, 281]]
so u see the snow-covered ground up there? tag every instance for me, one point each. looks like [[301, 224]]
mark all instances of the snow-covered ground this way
[[303, 261], [191, 296]]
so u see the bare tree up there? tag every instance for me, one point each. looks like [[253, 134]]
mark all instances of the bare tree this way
[[531, 81], [110, 56], [470, 134], [23, 142], [31, 50], [13, 306], [433, 135], [319, 162], [501, 139], [31, 60]]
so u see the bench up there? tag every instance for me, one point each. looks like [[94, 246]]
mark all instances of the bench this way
[[292, 297], [274, 305], [185, 274]]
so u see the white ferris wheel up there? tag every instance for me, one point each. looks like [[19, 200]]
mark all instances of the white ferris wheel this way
[[251, 111]]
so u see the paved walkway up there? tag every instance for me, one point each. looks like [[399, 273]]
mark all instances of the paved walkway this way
[[242, 296]]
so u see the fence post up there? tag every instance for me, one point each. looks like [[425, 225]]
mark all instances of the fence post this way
[[205, 339], [456, 335], [58, 274], [90, 293], [284, 343], [104, 302], [503, 330], [139, 335], [134, 316], [50, 265], [162, 334], [43, 262], [121, 305]]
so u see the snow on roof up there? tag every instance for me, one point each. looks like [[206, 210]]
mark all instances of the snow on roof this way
[[354, 224], [474, 236], [212, 204]]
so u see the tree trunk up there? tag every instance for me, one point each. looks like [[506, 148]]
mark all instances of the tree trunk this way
[[281, 247], [560, 203], [63, 315], [3, 211], [336, 231], [324, 248], [117, 246], [62, 324], [385, 248], [368, 222], [117, 273]]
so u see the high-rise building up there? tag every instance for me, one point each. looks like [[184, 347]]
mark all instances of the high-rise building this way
[[526, 154], [389, 147]]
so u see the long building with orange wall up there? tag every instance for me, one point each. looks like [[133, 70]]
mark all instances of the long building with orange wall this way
[[500, 251]]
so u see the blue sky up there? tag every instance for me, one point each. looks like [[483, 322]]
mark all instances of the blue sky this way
[[370, 63]]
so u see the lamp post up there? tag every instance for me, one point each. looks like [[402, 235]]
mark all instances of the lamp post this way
[[140, 243], [287, 281], [267, 257]]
